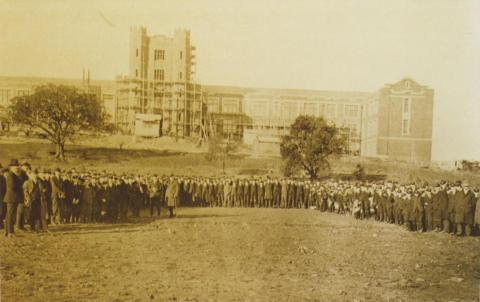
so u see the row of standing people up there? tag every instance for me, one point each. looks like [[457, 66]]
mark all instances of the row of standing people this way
[[40, 198]]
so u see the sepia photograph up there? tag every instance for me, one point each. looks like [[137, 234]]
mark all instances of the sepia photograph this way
[[222, 150]]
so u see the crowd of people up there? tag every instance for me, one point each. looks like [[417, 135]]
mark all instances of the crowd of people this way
[[39, 198]]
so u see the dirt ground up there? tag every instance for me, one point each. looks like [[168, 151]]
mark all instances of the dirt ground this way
[[215, 254]]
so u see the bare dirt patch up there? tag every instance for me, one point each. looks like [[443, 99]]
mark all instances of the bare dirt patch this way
[[215, 254]]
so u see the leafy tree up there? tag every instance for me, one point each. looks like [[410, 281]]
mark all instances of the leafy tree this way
[[60, 112], [310, 145]]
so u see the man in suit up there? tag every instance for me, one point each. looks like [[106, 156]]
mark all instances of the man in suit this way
[[464, 210], [3, 188], [13, 196], [58, 196], [172, 195], [22, 176], [31, 193], [476, 192]]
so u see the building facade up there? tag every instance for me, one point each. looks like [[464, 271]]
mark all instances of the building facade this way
[[160, 81], [11, 87], [225, 111], [263, 115], [398, 122]]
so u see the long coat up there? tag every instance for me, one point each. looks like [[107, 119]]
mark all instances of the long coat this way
[[14, 190], [464, 207], [58, 187], [2, 187], [477, 211], [172, 193], [440, 205]]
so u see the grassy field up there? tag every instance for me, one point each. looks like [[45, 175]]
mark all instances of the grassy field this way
[[165, 156], [221, 254], [216, 254], [167, 159]]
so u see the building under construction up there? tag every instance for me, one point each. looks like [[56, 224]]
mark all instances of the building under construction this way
[[161, 84]]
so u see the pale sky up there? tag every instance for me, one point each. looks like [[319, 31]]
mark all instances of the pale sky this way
[[328, 45]]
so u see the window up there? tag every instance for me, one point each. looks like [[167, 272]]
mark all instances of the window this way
[[310, 109], [181, 55], [136, 52], [159, 54], [260, 108], [180, 75], [330, 111], [289, 110], [407, 84], [136, 72], [406, 105], [213, 104], [406, 126], [4, 96], [351, 110], [230, 107], [158, 75], [22, 92], [229, 127]]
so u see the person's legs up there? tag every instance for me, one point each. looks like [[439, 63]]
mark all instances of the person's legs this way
[[468, 229], [10, 218], [19, 222], [3, 214], [446, 226], [459, 229]]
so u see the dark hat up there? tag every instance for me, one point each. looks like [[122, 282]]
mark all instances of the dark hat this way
[[13, 162]]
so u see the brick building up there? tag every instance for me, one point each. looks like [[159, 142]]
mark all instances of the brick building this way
[[398, 122]]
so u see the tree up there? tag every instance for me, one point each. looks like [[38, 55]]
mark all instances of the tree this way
[[60, 112], [310, 145], [220, 149]]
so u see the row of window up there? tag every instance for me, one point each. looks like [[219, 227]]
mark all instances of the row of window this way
[[159, 74], [158, 54], [227, 106], [7, 94], [406, 116], [291, 109]]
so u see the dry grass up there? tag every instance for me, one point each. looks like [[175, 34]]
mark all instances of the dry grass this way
[[215, 254], [165, 156]]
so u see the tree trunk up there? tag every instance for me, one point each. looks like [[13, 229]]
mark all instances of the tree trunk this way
[[60, 151]]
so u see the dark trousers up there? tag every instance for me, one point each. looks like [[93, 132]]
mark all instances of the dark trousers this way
[[20, 221], [10, 217], [154, 203], [170, 209], [32, 215], [3, 212], [123, 210]]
